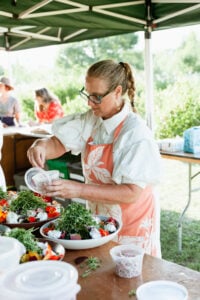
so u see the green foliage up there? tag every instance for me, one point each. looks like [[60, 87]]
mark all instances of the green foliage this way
[[190, 255], [83, 54], [70, 92], [163, 76], [182, 112], [187, 57], [3, 195], [26, 237], [28, 107], [1, 71], [176, 79], [76, 105]]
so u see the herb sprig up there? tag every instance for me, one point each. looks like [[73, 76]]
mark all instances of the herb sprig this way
[[91, 264], [132, 293]]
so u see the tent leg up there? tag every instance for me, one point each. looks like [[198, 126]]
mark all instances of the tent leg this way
[[149, 82]]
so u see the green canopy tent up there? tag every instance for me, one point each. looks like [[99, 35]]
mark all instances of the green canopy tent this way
[[31, 23]]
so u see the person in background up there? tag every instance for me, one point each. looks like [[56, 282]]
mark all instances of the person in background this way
[[120, 158], [2, 177], [9, 105], [47, 106]]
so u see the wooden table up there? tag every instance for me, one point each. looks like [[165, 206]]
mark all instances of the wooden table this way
[[105, 284], [190, 159]]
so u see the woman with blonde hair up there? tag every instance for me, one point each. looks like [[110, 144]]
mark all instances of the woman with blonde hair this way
[[120, 158]]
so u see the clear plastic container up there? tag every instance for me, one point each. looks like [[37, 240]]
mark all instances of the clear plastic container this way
[[128, 260], [11, 251], [40, 280], [36, 177]]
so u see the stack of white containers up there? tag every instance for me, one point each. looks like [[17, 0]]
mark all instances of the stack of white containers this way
[[36, 280], [171, 144]]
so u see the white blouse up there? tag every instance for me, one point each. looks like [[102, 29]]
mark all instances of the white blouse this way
[[136, 155]]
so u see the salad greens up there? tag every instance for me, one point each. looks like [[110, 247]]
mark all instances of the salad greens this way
[[26, 237], [26, 200], [3, 195], [75, 218]]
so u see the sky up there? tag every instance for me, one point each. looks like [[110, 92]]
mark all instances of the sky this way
[[45, 56]]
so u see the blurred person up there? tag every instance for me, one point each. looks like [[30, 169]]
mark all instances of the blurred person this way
[[47, 107], [120, 158], [9, 105]]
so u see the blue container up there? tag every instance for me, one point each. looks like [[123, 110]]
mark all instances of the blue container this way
[[192, 139]]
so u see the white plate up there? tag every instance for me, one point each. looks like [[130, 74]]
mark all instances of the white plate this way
[[161, 290], [82, 244]]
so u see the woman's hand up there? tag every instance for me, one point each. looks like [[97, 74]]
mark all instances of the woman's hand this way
[[37, 156], [43, 149], [63, 188]]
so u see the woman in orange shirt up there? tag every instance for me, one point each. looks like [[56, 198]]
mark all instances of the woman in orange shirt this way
[[47, 107]]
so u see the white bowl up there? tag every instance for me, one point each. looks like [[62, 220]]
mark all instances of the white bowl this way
[[82, 244], [161, 290]]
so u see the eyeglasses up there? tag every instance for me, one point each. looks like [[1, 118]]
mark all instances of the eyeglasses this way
[[97, 99]]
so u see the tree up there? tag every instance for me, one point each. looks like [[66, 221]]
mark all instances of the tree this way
[[188, 55], [83, 54]]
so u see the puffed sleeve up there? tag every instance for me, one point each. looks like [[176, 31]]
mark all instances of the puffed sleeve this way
[[74, 130], [137, 160]]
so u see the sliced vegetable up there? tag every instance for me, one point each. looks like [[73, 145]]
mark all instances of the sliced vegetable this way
[[34, 250]]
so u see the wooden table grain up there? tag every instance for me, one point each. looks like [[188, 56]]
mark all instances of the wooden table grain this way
[[105, 284]]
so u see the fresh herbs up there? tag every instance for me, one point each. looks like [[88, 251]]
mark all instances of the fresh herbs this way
[[75, 219], [90, 265], [26, 237], [132, 293], [26, 200], [3, 195]]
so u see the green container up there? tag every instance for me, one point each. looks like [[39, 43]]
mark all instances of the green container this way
[[59, 164]]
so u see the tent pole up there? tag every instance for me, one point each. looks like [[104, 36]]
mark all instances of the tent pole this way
[[149, 67], [149, 82]]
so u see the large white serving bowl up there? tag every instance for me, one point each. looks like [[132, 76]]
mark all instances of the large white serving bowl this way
[[82, 244]]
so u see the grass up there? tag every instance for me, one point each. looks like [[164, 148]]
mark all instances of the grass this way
[[173, 198], [190, 254]]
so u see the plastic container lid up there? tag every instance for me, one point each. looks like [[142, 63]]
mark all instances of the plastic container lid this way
[[11, 251], [161, 290], [40, 280], [36, 177]]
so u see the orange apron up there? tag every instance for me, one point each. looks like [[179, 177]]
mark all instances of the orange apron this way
[[140, 219]]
